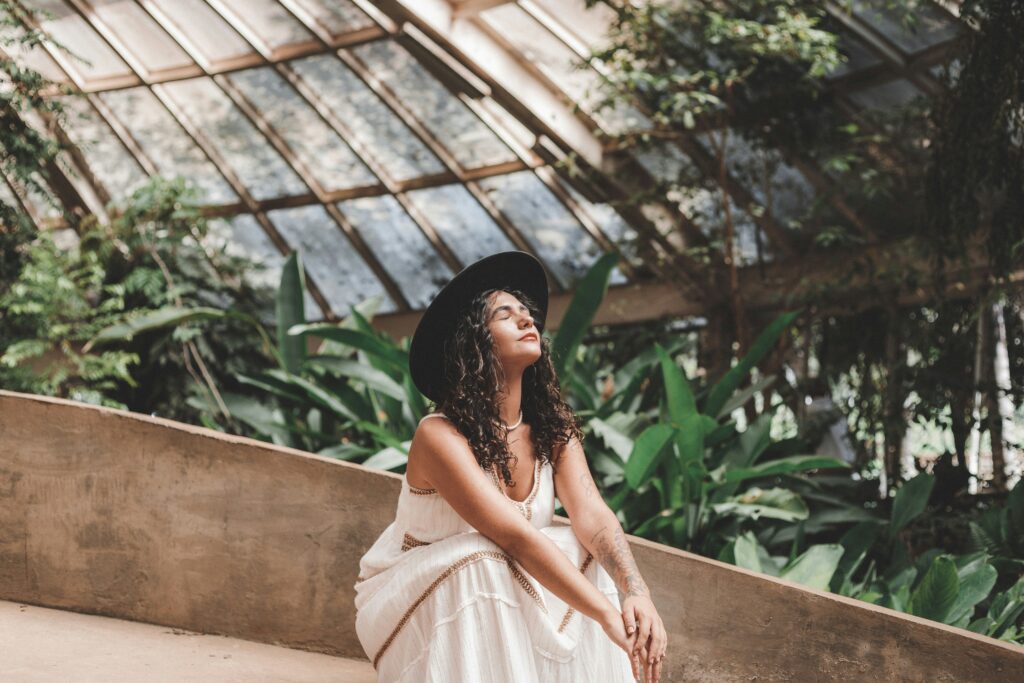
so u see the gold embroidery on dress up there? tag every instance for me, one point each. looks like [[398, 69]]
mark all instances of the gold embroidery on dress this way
[[571, 611], [451, 569], [420, 492], [525, 506], [409, 542]]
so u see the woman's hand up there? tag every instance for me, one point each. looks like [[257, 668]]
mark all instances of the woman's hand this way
[[615, 629], [649, 639]]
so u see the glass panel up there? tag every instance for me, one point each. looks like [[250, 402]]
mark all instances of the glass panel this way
[[315, 143], [538, 46], [928, 25], [613, 226], [206, 29], [35, 58], [41, 198], [887, 95], [400, 246], [377, 128], [242, 236], [590, 25], [275, 25], [140, 34], [257, 164], [666, 163], [471, 142], [337, 16], [73, 32], [343, 277], [462, 223], [858, 55], [554, 234], [113, 165], [704, 208], [164, 141], [791, 193], [7, 196]]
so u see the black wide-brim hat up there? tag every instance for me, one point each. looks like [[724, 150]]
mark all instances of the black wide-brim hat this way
[[504, 270]]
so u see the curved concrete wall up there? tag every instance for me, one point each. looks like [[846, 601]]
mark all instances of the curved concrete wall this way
[[125, 515]]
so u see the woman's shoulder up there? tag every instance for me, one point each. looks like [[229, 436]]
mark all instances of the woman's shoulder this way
[[435, 433]]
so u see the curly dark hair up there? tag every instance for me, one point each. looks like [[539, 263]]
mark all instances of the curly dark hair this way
[[470, 395]]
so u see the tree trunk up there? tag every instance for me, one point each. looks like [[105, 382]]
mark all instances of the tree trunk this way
[[894, 424], [714, 344], [997, 399], [981, 357]]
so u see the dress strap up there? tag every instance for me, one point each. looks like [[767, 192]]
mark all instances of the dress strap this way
[[433, 415]]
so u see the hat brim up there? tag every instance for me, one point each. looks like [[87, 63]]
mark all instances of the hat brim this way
[[505, 270]]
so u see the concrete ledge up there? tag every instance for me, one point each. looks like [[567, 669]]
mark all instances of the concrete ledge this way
[[141, 518]]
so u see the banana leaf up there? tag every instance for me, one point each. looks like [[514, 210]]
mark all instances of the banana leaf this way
[[815, 567], [352, 369], [290, 310], [796, 463], [395, 357], [937, 591], [764, 343], [590, 292], [648, 450], [910, 501], [771, 503]]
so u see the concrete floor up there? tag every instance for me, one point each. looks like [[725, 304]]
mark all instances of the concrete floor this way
[[40, 644]]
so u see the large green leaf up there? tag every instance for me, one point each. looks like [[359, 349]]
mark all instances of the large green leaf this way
[[856, 543], [937, 592], [389, 458], [794, 463], [755, 440], [357, 339], [691, 426], [773, 503], [170, 316], [619, 443], [678, 394], [317, 394], [764, 343], [1006, 609], [974, 587], [352, 369], [274, 386], [740, 398], [261, 417], [910, 501], [815, 566], [745, 552], [383, 435], [345, 451], [647, 452], [290, 310], [590, 292]]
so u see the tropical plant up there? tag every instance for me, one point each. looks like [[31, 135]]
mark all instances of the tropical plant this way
[[125, 280], [28, 155]]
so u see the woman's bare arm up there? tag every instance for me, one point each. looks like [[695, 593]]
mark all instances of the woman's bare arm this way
[[599, 530], [594, 523]]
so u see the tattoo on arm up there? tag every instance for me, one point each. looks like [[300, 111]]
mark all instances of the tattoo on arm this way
[[587, 484], [611, 550]]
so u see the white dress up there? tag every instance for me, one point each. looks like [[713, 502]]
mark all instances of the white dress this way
[[436, 600]]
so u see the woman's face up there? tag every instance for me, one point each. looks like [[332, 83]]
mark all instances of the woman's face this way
[[516, 339]]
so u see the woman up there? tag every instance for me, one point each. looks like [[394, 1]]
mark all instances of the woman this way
[[471, 582]]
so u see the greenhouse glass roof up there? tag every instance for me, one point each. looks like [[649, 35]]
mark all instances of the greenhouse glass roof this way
[[394, 142]]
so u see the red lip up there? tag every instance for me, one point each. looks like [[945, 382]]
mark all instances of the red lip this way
[[528, 336]]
